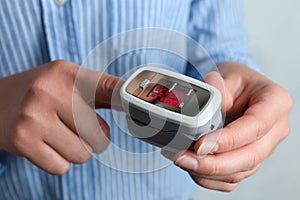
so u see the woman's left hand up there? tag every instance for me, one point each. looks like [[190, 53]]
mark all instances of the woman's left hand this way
[[258, 110]]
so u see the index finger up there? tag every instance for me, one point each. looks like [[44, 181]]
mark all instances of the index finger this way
[[97, 88]]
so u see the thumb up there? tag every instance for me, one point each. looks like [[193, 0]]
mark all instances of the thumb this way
[[216, 80]]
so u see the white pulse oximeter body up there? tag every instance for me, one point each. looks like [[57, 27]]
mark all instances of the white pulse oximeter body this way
[[169, 109]]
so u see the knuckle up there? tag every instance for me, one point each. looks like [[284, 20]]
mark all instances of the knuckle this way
[[228, 102], [286, 97], [19, 136], [28, 116], [26, 113], [258, 126], [201, 182], [35, 89], [253, 162], [59, 65], [61, 75], [233, 140], [228, 187], [216, 185], [38, 88], [60, 169], [63, 67], [214, 170], [22, 132], [47, 88], [285, 132], [235, 179], [82, 157]]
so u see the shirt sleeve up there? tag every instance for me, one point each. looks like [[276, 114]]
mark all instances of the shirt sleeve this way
[[218, 26]]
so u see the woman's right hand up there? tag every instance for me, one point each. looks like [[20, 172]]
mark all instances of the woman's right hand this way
[[37, 121]]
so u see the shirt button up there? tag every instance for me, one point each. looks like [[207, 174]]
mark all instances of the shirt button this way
[[60, 2]]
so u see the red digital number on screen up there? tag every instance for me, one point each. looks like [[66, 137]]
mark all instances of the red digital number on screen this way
[[162, 94]]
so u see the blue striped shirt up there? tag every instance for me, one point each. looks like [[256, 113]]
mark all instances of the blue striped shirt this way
[[36, 32]]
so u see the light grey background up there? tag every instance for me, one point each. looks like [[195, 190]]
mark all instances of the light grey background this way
[[274, 42]]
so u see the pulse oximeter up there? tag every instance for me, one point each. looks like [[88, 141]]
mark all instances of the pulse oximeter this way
[[168, 109]]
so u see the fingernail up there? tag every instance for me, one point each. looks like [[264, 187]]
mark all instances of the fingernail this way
[[187, 162], [207, 148]]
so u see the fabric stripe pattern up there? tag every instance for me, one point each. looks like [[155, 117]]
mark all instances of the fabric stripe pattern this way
[[36, 32]]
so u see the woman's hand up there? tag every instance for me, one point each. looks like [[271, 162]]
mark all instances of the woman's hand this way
[[37, 115], [257, 110]]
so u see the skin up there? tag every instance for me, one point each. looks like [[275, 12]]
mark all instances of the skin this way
[[38, 116], [258, 112]]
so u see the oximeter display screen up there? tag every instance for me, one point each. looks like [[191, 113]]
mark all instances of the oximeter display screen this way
[[168, 92]]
